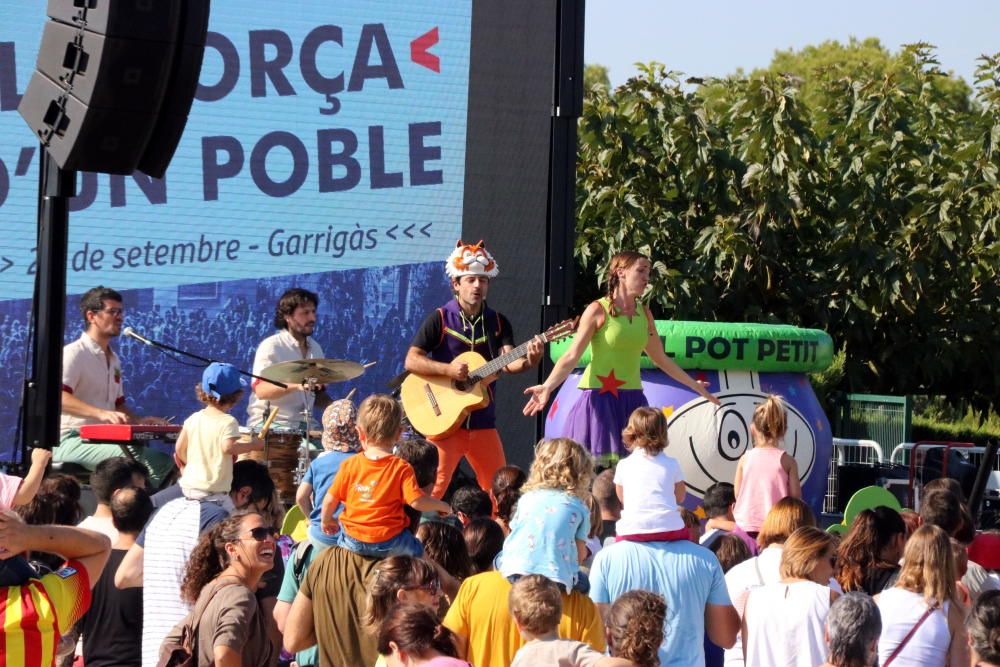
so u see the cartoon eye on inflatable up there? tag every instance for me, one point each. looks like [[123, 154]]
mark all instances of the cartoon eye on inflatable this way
[[733, 437], [708, 441]]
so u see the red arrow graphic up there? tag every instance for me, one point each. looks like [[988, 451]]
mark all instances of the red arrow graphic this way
[[419, 47]]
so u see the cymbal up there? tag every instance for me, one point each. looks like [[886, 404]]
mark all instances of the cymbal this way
[[323, 371]]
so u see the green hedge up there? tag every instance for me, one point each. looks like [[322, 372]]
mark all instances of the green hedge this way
[[929, 429]]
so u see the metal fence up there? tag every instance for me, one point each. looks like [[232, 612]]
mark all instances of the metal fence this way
[[885, 419], [848, 451]]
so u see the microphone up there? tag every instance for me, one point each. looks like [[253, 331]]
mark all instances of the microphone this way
[[130, 332]]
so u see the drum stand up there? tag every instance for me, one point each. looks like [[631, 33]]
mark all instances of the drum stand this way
[[310, 385]]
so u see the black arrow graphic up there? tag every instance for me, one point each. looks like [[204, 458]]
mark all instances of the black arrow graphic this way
[[423, 230], [408, 230], [6, 264], [390, 232]]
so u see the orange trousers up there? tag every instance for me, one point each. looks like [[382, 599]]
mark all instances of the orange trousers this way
[[483, 449]]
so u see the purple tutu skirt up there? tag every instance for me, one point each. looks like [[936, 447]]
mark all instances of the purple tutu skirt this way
[[596, 420]]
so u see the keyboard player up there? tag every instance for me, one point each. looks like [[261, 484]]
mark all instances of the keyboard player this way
[[92, 388]]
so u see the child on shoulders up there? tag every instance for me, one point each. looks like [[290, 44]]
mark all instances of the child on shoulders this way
[[766, 473], [209, 441], [649, 483], [549, 529], [340, 442], [373, 487], [14, 492]]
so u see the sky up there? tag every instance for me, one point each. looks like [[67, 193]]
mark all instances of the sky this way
[[716, 38]]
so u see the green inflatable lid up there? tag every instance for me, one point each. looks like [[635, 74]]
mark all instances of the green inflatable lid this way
[[771, 348]]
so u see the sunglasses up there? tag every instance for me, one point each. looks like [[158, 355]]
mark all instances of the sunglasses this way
[[261, 533], [433, 588], [113, 312]]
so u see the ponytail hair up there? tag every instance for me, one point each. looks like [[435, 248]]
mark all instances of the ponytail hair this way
[[506, 491], [622, 260], [415, 629], [770, 419]]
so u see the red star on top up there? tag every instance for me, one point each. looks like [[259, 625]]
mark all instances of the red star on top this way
[[610, 384]]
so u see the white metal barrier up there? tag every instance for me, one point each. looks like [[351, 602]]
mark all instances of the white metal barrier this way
[[847, 451]]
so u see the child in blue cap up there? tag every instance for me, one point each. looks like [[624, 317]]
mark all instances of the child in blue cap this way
[[210, 440]]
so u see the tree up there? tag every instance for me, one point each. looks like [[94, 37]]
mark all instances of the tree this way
[[868, 208], [596, 75]]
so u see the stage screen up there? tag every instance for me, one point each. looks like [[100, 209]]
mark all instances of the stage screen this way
[[327, 148]]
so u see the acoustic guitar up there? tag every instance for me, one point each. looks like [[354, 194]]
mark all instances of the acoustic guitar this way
[[436, 405]]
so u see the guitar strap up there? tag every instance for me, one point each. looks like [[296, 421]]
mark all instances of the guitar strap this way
[[441, 315]]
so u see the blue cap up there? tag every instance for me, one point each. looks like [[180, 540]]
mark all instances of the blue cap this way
[[219, 380]]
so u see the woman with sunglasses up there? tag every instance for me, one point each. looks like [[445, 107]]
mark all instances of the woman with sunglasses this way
[[783, 622], [221, 581], [400, 580]]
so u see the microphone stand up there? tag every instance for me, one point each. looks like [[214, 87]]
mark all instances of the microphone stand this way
[[206, 360]]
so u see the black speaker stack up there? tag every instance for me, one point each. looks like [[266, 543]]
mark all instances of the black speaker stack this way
[[114, 82]]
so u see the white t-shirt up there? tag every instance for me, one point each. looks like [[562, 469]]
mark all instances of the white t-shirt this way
[[900, 610], [785, 624], [275, 349], [92, 377], [103, 525], [759, 571], [167, 542], [208, 469], [648, 493]]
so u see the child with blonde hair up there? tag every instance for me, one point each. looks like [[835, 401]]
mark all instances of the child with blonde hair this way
[[209, 441], [649, 483], [766, 473], [549, 529], [374, 485], [536, 606]]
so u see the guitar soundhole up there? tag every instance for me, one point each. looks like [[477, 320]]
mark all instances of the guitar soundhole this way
[[461, 385]]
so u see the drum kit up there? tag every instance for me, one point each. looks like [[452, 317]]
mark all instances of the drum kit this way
[[288, 450]]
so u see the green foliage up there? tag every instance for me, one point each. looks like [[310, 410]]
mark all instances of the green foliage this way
[[826, 383], [596, 75], [869, 210], [954, 431], [858, 59]]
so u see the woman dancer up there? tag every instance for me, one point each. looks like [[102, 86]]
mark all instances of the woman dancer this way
[[618, 329]]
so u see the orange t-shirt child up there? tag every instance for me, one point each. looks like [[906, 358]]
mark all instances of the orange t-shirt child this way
[[374, 491]]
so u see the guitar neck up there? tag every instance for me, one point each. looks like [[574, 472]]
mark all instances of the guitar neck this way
[[499, 363]]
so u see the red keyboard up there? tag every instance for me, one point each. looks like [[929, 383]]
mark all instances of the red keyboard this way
[[128, 432]]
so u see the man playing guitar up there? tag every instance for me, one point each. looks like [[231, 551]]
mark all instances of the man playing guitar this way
[[466, 324]]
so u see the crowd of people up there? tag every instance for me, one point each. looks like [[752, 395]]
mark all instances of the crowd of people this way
[[587, 558], [555, 565]]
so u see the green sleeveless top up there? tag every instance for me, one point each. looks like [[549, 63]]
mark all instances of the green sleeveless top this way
[[615, 349]]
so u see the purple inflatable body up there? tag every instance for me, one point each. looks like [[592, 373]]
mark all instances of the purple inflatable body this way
[[708, 441]]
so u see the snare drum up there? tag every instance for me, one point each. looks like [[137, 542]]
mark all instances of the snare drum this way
[[281, 456]]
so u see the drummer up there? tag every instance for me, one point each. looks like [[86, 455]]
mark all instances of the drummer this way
[[295, 317]]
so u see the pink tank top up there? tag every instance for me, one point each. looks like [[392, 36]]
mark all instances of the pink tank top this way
[[765, 482]]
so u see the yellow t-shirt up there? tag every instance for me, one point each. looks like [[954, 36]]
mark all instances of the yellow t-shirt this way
[[481, 615], [208, 469]]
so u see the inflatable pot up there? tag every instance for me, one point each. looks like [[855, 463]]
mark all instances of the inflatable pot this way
[[741, 364]]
